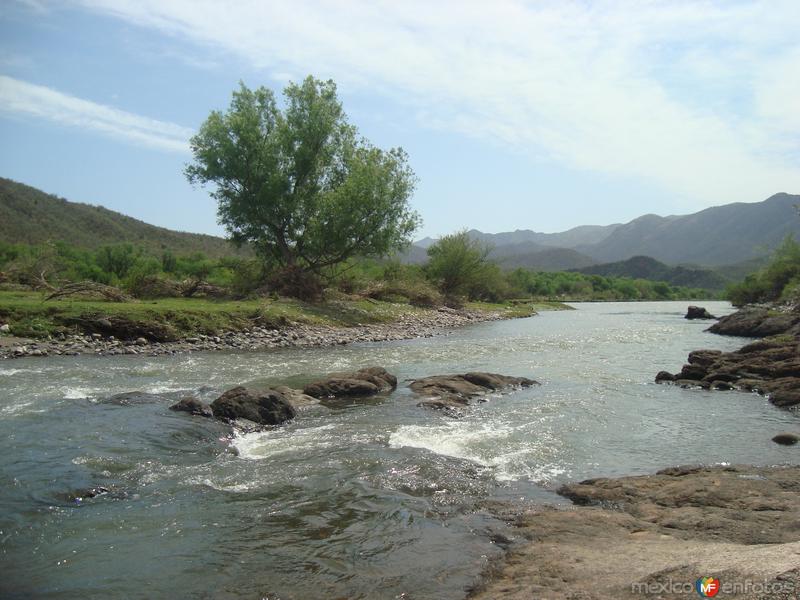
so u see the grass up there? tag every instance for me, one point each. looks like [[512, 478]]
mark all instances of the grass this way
[[173, 318]]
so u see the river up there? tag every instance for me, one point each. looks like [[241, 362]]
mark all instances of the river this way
[[365, 499]]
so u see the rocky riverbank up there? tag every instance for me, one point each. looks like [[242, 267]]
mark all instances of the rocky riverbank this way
[[770, 366], [419, 325], [655, 536]]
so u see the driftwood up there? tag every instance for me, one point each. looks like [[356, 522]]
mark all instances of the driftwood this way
[[93, 288]]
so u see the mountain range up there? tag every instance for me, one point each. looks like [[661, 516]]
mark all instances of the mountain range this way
[[718, 236], [732, 239]]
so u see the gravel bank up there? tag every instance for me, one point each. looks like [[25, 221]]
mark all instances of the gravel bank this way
[[421, 325]]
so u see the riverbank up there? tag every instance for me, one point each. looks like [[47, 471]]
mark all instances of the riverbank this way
[[656, 535], [173, 326], [769, 366]]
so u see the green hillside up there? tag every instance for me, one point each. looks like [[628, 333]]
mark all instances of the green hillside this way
[[645, 267], [30, 216]]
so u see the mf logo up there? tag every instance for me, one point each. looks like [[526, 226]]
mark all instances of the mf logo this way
[[707, 587]]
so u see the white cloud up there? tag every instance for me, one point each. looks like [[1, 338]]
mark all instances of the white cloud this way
[[694, 96], [22, 98]]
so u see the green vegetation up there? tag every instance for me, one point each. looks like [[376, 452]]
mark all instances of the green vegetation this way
[[645, 267], [459, 266], [300, 186], [778, 281], [31, 217], [172, 318]]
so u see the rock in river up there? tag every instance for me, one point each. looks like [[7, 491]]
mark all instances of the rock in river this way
[[455, 391], [365, 382], [265, 408], [786, 439], [757, 322], [193, 406], [698, 312]]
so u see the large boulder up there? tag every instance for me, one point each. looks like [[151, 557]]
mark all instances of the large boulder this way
[[364, 382], [698, 312], [266, 407], [456, 391]]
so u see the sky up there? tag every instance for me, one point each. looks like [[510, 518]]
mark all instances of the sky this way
[[540, 115]]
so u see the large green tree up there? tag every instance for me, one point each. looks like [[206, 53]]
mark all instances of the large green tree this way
[[299, 183]]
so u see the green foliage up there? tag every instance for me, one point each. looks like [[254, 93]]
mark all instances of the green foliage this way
[[299, 184], [577, 286], [778, 280], [456, 263]]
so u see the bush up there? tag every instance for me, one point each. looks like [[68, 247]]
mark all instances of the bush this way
[[773, 282]]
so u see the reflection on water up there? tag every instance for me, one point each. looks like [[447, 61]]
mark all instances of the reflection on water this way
[[360, 500]]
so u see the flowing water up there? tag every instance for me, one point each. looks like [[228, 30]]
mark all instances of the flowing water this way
[[364, 499]]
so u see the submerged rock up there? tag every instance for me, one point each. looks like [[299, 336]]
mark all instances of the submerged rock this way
[[455, 391], [193, 406], [364, 382], [698, 312], [263, 408], [296, 397], [786, 439], [131, 398]]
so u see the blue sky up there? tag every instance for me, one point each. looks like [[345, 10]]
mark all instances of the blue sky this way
[[516, 115]]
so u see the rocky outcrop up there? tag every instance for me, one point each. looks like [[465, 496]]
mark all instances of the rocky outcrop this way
[[744, 504], [365, 382], [266, 407], [737, 523], [757, 322], [770, 367], [193, 406], [456, 391], [698, 312]]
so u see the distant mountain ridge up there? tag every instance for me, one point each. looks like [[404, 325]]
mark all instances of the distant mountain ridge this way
[[30, 216], [715, 236], [718, 236]]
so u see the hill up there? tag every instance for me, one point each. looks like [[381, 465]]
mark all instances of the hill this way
[[645, 267], [720, 235], [538, 258], [30, 216]]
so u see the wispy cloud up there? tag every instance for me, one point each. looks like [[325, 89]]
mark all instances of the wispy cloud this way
[[697, 97], [22, 98]]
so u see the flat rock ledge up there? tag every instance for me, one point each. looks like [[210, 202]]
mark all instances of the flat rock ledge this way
[[770, 367], [758, 322], [654, 536], [456, 391]]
